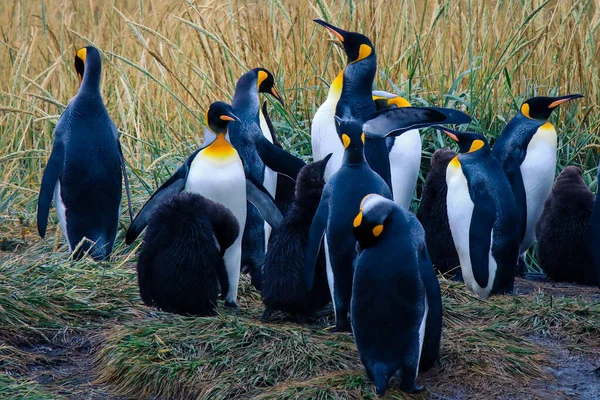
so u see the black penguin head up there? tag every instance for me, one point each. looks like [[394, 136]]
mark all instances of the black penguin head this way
[[219, 114], [266, 83], [352, 137], [370, 221], [468, 142], [541, 108], [87, 59], [310, 183], [384, 100], [356, 46]]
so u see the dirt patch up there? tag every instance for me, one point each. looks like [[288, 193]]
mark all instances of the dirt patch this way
[[559, 289]]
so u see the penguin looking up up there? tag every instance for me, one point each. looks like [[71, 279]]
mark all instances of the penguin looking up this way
[[482, 216], [283, 287], [260, 156], [180, 266], [563, 227], [216, 172], [83, 173], [433, 215], [404, 152], [343, 193], [526, 150], [396, 301]]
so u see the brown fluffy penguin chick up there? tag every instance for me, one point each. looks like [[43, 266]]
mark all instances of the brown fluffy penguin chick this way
[[433, 215], [180, 267], [562, 230], [283, 286]]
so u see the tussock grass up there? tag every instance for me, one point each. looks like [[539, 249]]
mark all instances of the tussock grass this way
[[14, 388]]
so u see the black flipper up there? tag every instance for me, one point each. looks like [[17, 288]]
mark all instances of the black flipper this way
[[315, 237], [173, 186], [51, 174], [270, 125], [395, 121], [124, 171], [263, 201], [278, 159], [480, 236]]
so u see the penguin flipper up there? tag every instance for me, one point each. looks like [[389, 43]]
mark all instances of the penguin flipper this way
[[51, 175], [278, 159], [395, 121], [124, 171], [263, 201], [315, 238], [480, 237], [270, 125]]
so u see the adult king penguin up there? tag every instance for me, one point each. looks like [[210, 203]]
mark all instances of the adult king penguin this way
[[526, 150], [261, 157], [217, 173], [343, 193], [83, 173], [396, 301], [594, 235], [482, 216]]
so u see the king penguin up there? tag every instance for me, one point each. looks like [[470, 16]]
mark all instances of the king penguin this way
[[261, 157], [218, 173], [83, 173], [482, 216], [396, 307], [593, 239], [526, 150], [343, 193]]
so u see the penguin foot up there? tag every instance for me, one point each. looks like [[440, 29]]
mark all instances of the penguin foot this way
[[415, 389], [231, 304], [267, 314]]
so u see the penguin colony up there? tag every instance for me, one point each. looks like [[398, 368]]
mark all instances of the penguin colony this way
[[338, 230]]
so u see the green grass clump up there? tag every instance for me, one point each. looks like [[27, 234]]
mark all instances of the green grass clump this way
[[22, 389]]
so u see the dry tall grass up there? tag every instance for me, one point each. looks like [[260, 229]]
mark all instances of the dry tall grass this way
[[165, 61]]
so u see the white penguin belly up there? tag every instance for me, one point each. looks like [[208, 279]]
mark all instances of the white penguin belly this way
[[460, 212], [61, 213], [324, 138], [223, 182], [270, 176], [330, 278], [537, 171], [422, 327], [405, 163]]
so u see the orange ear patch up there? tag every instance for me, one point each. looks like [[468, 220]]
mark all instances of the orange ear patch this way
[[345, 140], [377, 230], [357, 220], [262, 75], [476, 145]]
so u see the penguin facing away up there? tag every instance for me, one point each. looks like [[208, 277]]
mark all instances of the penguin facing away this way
[[526, 150], [283, 287], [216, 172], [404, 152], [343, 193], [390, 301], [593, 238], [260, 156], [180, 267], [83, 173], [433, 215], [563, 228], [482, 216]]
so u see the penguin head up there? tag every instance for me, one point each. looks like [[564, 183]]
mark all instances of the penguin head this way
[[266, 83], [218, 116], [88, 64], [351, 134], [384, 100], [356, 46], [541, 108], [369, 223], [468, 142]]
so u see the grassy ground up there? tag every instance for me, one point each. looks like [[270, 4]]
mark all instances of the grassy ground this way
[[78, 329]]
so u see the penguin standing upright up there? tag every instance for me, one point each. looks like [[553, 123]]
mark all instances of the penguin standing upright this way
[[217, 173], [526, 150], [396, 301], [482, 216], [260, 156], [563, 227], [180, 266], [346, 188], [433, 215], [283, 287], [84, 170]]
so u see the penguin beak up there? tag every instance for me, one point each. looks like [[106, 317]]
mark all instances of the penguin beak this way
[[563, 99], [339, 33], [229, 117], [277, 96], [447, 132]]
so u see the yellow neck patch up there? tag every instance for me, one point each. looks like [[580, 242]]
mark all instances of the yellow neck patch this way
[[525, 110], [454, 162], [345, 140], [357, 220], [262, 75], [220, 148], [364, 51], [399, 102], [377, 230], [547, 126], [336, 86], [476, 145]]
